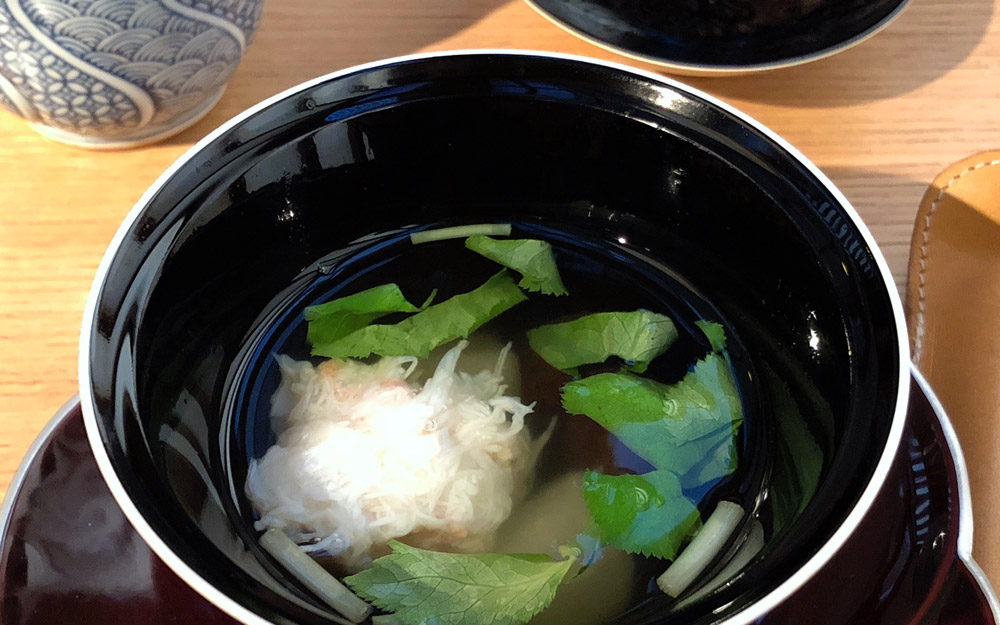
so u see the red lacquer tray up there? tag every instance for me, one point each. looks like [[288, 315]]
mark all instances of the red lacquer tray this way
[[69, 555]]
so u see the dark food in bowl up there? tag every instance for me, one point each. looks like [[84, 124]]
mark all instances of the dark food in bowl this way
[[213, 272], [723, 17], [706, 35]]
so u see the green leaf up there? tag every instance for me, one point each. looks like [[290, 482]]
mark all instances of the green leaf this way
[[798, 461], [337, 318], [715, 334], [673, 427], [431, 588], [436, 325], [645, 514], [531, 258], [636, 337], [719, 462]]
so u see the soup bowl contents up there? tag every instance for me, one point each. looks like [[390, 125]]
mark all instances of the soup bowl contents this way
[[485, 337], [406, 450]]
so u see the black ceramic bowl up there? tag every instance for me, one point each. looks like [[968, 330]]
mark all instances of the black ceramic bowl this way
[[241, 229], [718, 37]]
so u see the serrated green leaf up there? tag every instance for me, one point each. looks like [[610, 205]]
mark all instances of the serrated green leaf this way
[[673, 427], [714, 332], [645, 514], [431, 588], [798, 461], [719, 461], [436, 325], [636, 337], [338, 318], [531, 258]]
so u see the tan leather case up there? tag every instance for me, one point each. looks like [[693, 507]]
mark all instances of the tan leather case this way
[[953, 313]]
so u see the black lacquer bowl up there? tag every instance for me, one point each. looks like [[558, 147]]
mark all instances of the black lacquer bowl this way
[[719, 37], [241, 230]]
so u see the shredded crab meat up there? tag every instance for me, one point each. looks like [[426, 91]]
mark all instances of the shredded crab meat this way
[[364, 457]]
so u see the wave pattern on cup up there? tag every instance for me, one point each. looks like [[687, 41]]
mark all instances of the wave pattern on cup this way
[[112, 73]]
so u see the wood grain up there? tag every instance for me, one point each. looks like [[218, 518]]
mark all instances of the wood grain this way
[[880, 119]]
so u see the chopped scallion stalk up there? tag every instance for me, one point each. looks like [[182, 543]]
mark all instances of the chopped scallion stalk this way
[[460, 232], [706, 544], [747, 551], [314, 576]]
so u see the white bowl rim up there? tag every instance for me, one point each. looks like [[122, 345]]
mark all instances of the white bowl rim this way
[[239, 612]]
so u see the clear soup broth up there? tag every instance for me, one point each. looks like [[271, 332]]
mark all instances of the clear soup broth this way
[[600, 275]]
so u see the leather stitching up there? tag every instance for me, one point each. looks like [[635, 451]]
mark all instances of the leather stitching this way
[[921, 329]]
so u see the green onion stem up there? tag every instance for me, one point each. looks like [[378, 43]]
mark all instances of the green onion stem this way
[[747, 551], [314, 576], [706, 544], [460, 232]]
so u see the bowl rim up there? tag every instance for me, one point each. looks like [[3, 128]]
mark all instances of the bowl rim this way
[[708, 70], [243, 614], [963, 494]]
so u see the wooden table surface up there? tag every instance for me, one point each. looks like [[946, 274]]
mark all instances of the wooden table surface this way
[[880, 119]]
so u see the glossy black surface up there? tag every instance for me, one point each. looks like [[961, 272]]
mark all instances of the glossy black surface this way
[[246, 225], [70, 556], [722, 33]]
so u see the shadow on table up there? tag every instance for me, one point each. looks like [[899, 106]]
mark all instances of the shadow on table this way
[[301, 39], [929, 38]]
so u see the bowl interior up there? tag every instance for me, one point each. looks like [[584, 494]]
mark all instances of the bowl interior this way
[[235, 237]]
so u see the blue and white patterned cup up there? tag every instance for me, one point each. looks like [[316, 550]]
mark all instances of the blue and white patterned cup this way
[[119, 73]]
